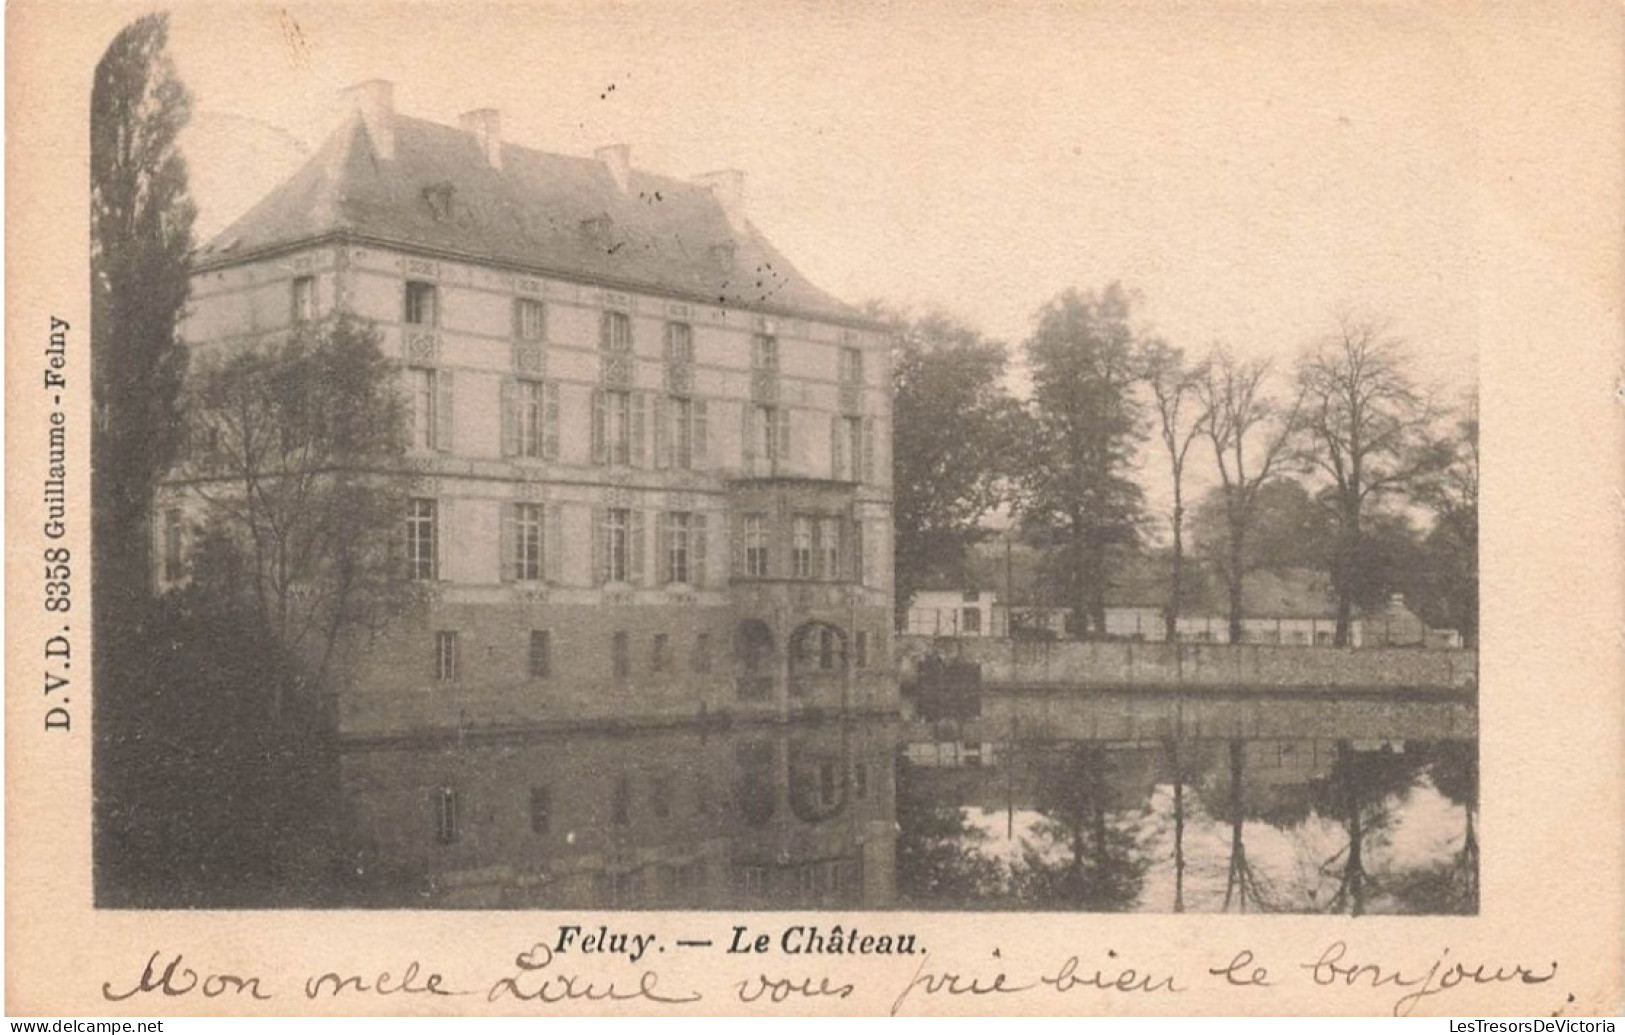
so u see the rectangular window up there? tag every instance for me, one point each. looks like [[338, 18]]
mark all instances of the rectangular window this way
[[682, 429], [679, 343], [861, 649], [618, 426], [679, 547], [617, 332], [621, 655], [446, 815], [702, 652], [851, 366], [766, 432], [971, 621], [541, 654], [756, 546], [173, 568], [764, 352], [420, 540], [617, 545], [829, 548], [445, 657], [304, 299], [423, 406], [801, 547], [529, 319], [541, 810], [530, 413], [660, 655], [528, 542], [420, 303], [852, 454]]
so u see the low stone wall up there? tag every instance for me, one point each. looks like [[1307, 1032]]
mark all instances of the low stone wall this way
[[1067, 663]]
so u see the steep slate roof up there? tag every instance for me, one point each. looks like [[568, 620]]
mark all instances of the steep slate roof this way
[[662, 234]]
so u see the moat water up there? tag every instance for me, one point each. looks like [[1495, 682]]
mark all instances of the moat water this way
[[1065, 802]]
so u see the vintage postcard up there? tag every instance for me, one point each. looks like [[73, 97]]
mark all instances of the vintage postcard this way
[[940, 508]]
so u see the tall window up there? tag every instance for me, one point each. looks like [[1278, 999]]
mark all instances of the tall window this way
[[852, 453], [173, 569], [527, 542], [679, 547], [617, 544], [530, 411], [862, 648], [682, 433], [420, 303], [851, 366], [422, 389], [541, 654], [766, 432], [617, 332], [679, 343], [801, 547], [617, 429], [970, 621], [621, 654], [756, 546], [445, 656], [764, 352], [529, 319], [420, 539], [304, 299], [829, 547]]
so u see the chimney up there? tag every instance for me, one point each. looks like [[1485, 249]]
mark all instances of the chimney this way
[[728, 187], [486, 126], [618, 159], [375, 101]]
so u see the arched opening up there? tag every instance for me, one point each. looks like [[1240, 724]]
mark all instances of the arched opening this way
[[818, 655]]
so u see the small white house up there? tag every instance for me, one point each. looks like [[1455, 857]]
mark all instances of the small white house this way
[[954, 612]]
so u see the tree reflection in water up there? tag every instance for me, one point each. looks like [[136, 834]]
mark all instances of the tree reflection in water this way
[[1088, 851]]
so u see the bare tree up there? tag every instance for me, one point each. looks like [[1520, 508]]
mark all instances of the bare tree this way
[[1252, 436], [1174, 391], [1369, 430]]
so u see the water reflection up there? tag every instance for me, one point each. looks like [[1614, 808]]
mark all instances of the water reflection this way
[[1091, 804]]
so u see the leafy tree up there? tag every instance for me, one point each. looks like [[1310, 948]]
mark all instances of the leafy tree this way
[[1078, 446], [952, 420], [1251, 435], [1451, 548], [140, 251], [291, 448], [1290, 529], [1180, 423], [1369, 433]]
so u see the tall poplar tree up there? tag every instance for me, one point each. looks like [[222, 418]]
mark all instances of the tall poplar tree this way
[[141, 218]]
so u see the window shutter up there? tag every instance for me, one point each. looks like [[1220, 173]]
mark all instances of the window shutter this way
[[697, 551], [519, 318], [604, 330], [701, 433], [636, 569], [781, 452], [869, 449], [600, 548], [638, 402], [663, 434], [510, 417], [817, 548], [445, 411], [835, 465], [747, 441], [443, 514], [857, 551], [663, 547], [550, 421], [738, 544], [553, 544], [507, 547], [600, 430]]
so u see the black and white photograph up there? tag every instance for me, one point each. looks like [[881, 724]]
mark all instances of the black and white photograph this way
[[815, 468]]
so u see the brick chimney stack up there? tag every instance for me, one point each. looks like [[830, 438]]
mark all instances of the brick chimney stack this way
[[618, 159], [486, 126]]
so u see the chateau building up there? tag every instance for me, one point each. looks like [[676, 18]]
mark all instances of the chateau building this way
[[650, 461]]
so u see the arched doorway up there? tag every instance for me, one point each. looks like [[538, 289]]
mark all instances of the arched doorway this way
[[818, 656]]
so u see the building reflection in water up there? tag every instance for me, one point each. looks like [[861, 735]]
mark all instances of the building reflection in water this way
[[1095, 803]]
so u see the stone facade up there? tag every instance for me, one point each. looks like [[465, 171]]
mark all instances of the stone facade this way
[[629, 502]]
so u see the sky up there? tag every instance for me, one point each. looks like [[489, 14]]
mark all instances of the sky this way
[[1249, 169]]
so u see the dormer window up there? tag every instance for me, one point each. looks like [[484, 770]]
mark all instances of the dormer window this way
[[596, 229], [439, 195]]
